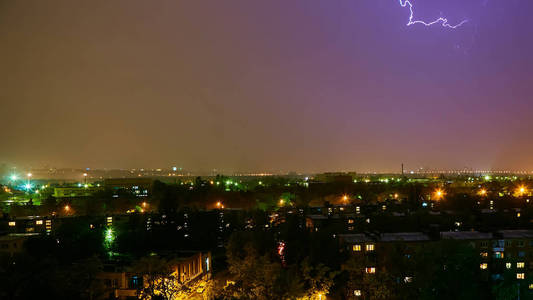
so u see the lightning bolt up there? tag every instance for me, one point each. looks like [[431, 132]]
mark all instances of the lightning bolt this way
[[443, 21]]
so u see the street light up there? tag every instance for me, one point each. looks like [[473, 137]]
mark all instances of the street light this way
[[439, 193], [521, 190], [483, 192]]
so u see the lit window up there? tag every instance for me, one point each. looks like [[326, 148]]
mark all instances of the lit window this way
[[531, 286], [520, 265], [350, 221], [408, 279], [484, 254], [520, 276], [357, 293], [39, 222], [498, 255], [483, 266], [370, 270], [508, 265], [356, 247], [12, 223], [370, 247]]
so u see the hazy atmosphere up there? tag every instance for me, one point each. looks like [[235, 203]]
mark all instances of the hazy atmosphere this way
[[266, 85]]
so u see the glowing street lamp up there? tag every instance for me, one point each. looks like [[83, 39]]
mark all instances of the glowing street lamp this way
[[13, 177], [67, 208], [482, 192], [439, 194], [521, 190]]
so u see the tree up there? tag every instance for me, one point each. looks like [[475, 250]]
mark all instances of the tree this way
[[319, 278], [160, 278], [255, 275]]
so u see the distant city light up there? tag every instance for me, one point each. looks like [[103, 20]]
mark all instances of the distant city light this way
[[13, 177]]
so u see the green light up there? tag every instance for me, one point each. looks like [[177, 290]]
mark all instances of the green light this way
[[14, 177], [109, 237]]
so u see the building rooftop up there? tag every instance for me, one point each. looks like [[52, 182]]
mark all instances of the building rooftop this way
[[355, 238], [466, 235], [403, 237], [516, 234]]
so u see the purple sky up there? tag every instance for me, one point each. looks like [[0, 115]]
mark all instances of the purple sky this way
[[271, 85]]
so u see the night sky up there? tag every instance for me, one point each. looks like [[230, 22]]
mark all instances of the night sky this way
[[271, 85]]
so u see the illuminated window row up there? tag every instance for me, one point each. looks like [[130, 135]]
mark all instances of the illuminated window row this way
[[368, 247]]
